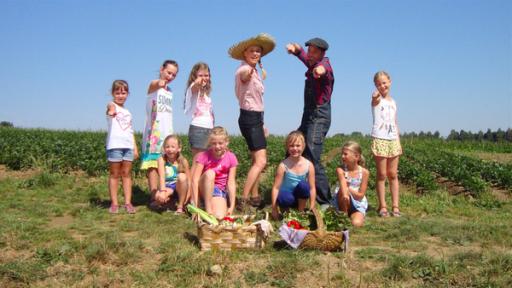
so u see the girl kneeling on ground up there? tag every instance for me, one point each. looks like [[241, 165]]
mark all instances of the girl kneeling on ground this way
[[214, 175], [295, 178], [353, 181]]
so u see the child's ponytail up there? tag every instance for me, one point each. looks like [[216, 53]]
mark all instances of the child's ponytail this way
[[263, 71], [362, 161]]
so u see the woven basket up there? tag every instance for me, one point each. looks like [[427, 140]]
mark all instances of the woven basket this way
[[321, 239], [228, 238]]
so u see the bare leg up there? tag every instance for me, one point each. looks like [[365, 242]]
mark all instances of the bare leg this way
[[206, 184], [381, 165], [113, 181], [392, 174], [255, 187], [259, 161], [357, 219], [181, 189], [152, 175], [219, 207], [301, 204], [126, 174]]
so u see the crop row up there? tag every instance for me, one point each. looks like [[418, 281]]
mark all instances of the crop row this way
[[472, 173], [467, 146], [84, 150]]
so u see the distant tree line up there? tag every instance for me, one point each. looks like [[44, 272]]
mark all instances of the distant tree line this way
[[493, 136], [6, 124], [462, 135]]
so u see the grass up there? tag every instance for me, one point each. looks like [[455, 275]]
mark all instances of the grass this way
[[56, 232]]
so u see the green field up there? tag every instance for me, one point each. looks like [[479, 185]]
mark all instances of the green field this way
[[56, 232]]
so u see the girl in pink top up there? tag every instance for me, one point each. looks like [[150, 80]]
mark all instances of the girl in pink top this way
[[249, 92], [214, 175]]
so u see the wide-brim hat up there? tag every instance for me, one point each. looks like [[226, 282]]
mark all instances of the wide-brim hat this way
[[264, 40]]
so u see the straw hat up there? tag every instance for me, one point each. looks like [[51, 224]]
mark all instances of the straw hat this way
[[264, 40]]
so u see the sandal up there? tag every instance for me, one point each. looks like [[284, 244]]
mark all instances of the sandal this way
[[113, 209], [129, 208], [383, 212], [396, 213], [179, 211]]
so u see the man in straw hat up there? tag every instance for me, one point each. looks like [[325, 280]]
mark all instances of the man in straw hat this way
[[316, 117], [249, 91]]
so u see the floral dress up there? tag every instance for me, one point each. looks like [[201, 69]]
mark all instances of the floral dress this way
[[158, 126]]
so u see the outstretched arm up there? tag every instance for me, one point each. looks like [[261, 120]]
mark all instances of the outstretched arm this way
[[296, 49], [111, 109], [375, 98], [246, 73], [156, 84]]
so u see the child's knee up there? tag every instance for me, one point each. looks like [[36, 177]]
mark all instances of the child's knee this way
[[261, 162], [115, 174], [392, 175], [357, 222], [126, 174], [182, 178], [219, 214], [209, 175], [381, 176]]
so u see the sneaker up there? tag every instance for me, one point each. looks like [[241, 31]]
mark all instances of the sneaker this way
[[113, 209], [129, 209]]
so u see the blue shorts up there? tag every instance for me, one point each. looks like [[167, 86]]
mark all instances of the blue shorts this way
[[288, 199], [171, 185], [219, 193], [120, 154]]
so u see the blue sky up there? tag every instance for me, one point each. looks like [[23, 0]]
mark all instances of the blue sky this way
[[450, 61]]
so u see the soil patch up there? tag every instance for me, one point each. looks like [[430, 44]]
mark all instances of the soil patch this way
[[17, 174], [61, 221]]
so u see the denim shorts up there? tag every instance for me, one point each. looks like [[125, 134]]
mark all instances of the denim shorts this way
[[119, 155], [198, 137], [219, 193], [171, 185], [251, 126]]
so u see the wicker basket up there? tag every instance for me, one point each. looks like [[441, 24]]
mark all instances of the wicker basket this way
[[227, 238], [321, 239]]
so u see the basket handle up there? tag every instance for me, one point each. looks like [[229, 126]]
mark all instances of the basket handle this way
[[319, 221]]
